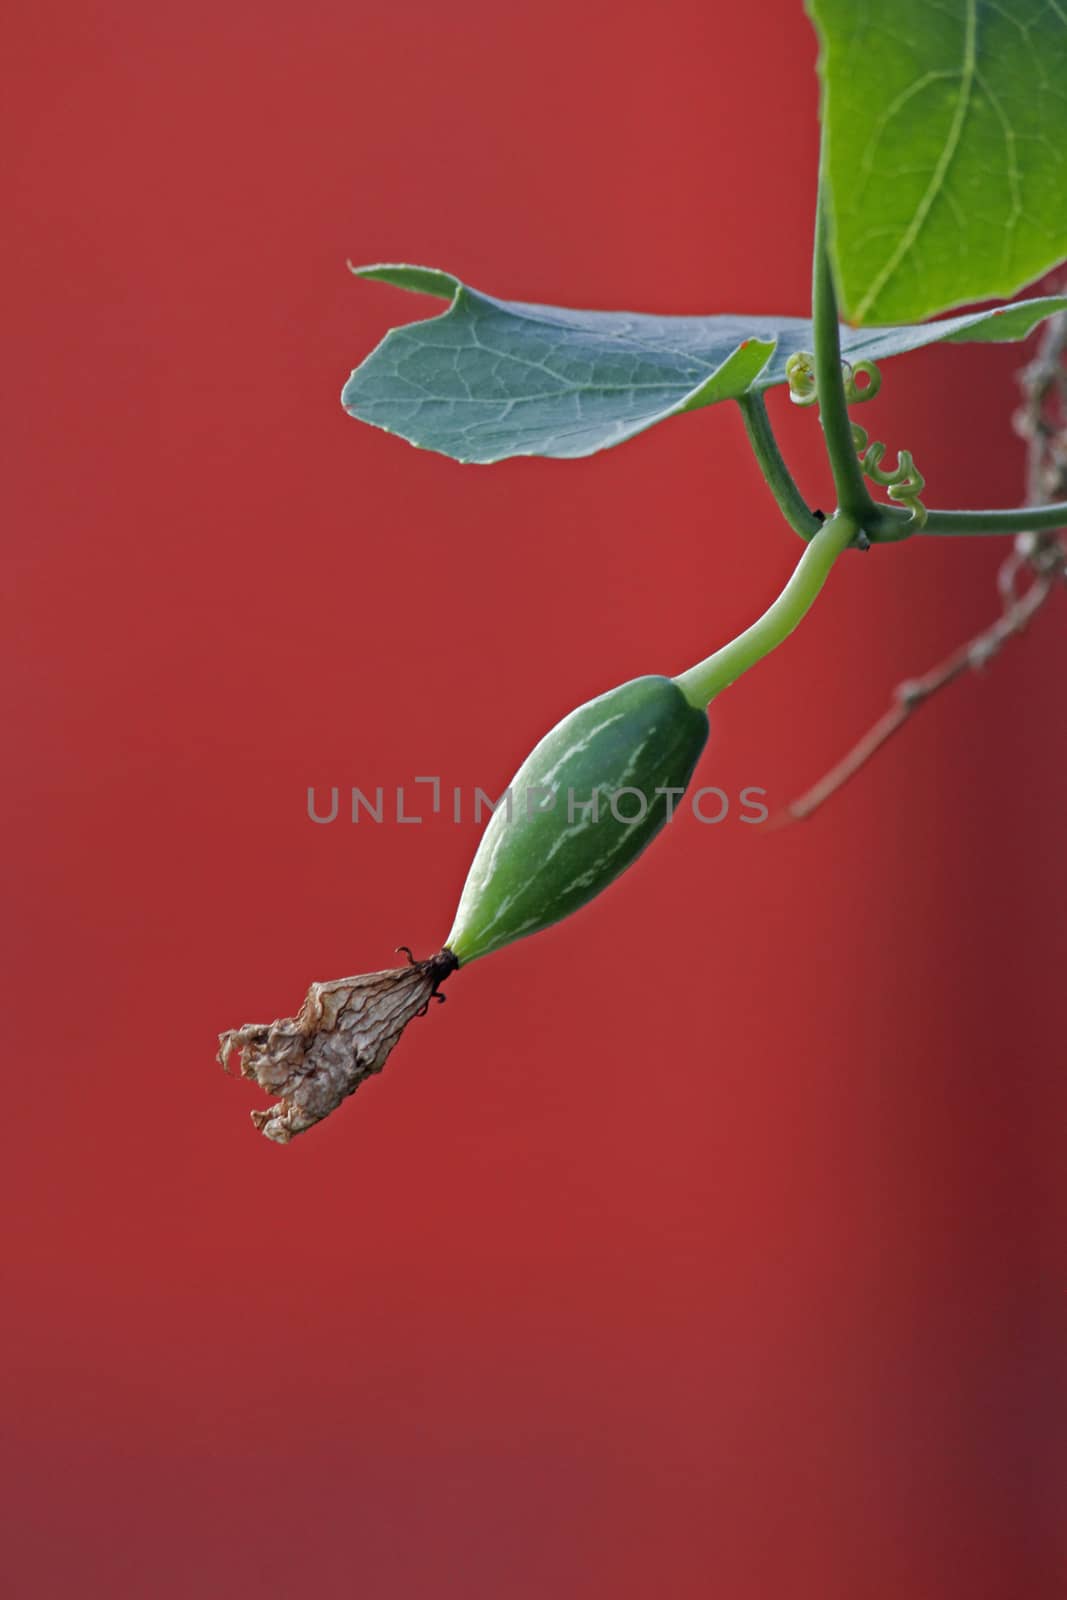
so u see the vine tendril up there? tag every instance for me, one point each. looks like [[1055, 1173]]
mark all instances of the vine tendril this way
[[905, 483], [800, 375], [861, 369]]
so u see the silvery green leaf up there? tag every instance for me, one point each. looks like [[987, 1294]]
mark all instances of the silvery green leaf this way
[[489, 379]]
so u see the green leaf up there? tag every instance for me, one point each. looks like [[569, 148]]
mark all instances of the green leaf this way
[[944, 149], [489, 379]]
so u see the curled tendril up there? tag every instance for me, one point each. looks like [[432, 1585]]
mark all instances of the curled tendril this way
[[905, 483], [854, 395], [800, 375]]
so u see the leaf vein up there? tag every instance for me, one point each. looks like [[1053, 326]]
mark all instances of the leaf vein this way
[[967, 71]]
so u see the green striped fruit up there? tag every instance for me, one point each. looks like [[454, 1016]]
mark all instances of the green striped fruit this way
[[634, 750]]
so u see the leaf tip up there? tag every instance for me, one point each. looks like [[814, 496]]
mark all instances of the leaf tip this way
[[418, 280]]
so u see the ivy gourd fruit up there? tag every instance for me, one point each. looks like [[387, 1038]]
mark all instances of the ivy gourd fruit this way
[[588, 799]]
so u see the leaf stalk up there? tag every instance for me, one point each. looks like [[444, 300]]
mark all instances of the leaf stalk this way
[[780, 481]]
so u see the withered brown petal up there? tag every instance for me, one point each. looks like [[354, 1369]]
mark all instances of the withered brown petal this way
[[342, 1034]]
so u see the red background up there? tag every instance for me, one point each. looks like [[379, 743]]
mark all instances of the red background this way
[[710, 1244]]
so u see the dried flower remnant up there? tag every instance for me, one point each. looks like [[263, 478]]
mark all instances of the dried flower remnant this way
[[342, 1034]]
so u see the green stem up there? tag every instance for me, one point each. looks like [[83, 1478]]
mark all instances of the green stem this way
[[704, 681], [780, 480], [887, 522], [852, 495]]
